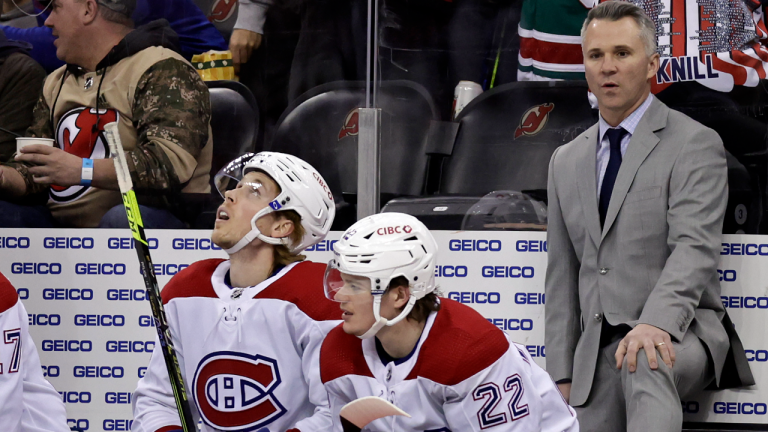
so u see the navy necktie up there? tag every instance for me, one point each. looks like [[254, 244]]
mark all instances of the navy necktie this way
[[611, 171]]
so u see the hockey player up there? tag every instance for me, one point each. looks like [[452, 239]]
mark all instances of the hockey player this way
[[438, 360], [28, 402], [248, 330]]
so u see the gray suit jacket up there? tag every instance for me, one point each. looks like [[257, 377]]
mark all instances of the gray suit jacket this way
[[654, 261]]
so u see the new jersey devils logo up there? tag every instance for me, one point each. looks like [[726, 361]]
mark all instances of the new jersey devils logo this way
[[222, 10], [81, 132], [350, 125], [533, 120], [234, 391]]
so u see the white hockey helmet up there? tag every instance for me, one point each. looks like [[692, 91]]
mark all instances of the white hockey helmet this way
[[382, 247], [302, 190]]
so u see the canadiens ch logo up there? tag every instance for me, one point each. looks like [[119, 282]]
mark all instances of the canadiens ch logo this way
[[222, 10], [533, 120], [81, 132], [234, 391], [350, 127]]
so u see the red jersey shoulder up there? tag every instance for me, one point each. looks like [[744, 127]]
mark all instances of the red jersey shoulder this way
[[193, 281], [303, 286], [341, 355], [8, 295], [460, 344]]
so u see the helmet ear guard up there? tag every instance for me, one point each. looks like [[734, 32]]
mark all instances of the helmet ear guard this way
[[383, 247]]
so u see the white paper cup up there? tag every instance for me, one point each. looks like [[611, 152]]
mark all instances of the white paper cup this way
[[25, 141]]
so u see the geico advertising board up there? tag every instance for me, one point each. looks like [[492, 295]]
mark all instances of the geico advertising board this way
[[92, 323]]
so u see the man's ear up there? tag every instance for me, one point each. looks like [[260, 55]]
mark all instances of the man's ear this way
[[89, 12], [401, 295], [282, 227], [653, 65]]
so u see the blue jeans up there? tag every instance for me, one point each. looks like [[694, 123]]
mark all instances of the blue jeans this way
[[38, 216], [153, 218], [25, 216]]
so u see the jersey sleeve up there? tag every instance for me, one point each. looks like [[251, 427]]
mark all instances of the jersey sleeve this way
[[27, 400], [154, 407], [335, 403], [513, 394], [11, 378], [308, 340]]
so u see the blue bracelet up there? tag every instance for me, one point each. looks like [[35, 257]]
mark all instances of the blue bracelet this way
[[86, 174]]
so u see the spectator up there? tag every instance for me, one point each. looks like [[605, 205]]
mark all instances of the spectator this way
[[27, 401], [113, 73], [196, 33], [248, 30], [18, 13], [240, 22], [21, 79]]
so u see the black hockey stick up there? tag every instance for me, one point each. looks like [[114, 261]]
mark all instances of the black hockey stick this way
[[112, 136]]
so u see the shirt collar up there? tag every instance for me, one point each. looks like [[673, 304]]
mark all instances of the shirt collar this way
[[630, 123]]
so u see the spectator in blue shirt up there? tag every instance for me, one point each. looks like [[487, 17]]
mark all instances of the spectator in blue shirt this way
[[196, 34]]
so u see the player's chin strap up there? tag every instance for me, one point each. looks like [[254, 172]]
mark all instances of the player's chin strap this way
[[381, 322], [254, 233]]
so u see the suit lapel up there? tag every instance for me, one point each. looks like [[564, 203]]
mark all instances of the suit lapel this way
[[643, 141], [587, 182]]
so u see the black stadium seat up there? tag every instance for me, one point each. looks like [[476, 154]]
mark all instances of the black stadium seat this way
[[739, 117], [506, 138], [321, 127], [235, 126], [234, 122], [508, 134]]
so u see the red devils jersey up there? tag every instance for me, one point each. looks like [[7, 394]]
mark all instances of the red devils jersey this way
[[81, 132], [464, 375], [71, 100], [248, 356], [718, 43]]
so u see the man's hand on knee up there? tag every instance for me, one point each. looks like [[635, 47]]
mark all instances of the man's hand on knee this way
[[650, 339], [565, 390]]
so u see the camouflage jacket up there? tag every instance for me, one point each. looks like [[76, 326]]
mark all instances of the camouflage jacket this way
[[163, 112]]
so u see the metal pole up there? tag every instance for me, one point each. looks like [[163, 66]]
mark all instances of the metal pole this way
[[368, 153], [368, 139]]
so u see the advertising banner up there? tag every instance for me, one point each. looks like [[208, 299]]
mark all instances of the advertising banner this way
[[93, 327]]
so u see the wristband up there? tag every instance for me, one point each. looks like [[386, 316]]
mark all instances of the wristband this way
[[86, 174]]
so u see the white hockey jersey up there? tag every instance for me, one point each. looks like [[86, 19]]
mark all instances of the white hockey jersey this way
[[464, 375], [28, 402], [249, 357]]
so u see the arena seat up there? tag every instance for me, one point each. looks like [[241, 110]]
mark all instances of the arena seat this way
[[739, 117], [235, 127], [505, 140], [321, 127], [234, 121]]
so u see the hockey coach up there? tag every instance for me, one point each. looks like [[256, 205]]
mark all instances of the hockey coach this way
[[634, 320]]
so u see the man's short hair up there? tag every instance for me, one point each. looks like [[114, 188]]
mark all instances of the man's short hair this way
[[616, 10], [117, 11]]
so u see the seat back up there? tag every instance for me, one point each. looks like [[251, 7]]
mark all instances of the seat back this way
[[321, 127], [507, 136], [234, 122], [739, 118]]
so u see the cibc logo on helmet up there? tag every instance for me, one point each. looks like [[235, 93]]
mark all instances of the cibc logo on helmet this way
[[323, 185], [405, 229]]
